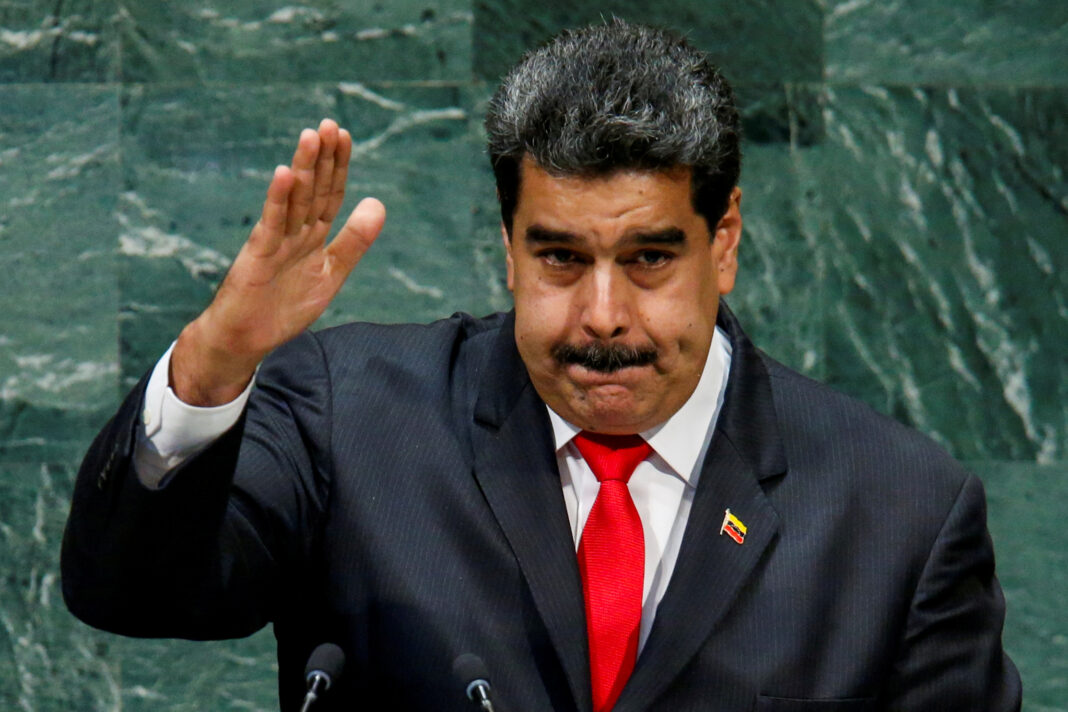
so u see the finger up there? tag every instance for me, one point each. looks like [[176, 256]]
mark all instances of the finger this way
[[324, 169], [303, 167], [341, 174], [357, 234], [268, 233]]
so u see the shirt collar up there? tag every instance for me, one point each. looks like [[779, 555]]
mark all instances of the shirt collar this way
[[681, 440]]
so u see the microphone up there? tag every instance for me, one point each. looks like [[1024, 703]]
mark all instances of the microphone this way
[[324, 666], [471, 672]]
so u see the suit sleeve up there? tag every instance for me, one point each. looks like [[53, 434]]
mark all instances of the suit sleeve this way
[[216, 552], [951, 657]]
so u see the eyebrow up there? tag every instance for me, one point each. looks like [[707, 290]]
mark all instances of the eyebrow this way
[[539, 234], [543, 235], [667, 236]]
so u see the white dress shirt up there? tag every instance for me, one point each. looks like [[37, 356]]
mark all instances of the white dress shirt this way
[[662, 486]]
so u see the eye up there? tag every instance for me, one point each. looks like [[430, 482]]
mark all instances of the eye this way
[[652, 258], [559, 256]]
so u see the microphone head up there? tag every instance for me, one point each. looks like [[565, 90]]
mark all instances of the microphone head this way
[[327, 660], [471, 672], [468, 667]]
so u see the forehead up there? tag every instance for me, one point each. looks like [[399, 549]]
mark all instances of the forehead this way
[[626, 197]]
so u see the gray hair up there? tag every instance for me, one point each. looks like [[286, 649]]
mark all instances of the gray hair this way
[[616, 96]]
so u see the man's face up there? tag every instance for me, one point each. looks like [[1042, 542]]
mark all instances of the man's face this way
[[616, 282]]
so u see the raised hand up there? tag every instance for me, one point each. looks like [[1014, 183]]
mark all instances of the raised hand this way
[[285, 274]]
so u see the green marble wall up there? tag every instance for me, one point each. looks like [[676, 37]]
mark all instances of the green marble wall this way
[[906, 211]]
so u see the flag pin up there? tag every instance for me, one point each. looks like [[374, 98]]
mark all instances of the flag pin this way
[[733, 527]]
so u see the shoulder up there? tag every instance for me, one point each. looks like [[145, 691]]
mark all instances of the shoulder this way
[[824, 430], [336, 349], [869, 485], [376, 367], [414, 340]]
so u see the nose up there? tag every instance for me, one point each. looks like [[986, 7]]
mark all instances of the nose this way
[[606, 312]]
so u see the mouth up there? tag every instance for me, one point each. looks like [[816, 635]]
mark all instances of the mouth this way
[[622, 379]]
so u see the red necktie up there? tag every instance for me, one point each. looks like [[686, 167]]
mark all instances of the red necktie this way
[[611, 558]]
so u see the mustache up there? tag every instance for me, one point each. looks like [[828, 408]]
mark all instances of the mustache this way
[[604, 358]]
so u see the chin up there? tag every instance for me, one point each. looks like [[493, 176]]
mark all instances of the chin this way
[[611, 416]]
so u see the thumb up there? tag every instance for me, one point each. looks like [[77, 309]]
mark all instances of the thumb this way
[[358, 232]]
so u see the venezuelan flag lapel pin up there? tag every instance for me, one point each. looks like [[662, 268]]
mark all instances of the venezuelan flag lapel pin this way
[[732, 527]]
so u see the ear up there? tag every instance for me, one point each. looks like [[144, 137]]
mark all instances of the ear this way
[[509, 265], [725, 242]]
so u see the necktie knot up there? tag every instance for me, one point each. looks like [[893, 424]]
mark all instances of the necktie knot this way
[[612, 457]]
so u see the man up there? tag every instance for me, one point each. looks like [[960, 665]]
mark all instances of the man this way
[[609, 495]]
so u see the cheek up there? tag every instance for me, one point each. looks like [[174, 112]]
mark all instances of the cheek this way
[[547, 306], [679, 321], [668, 315], [540, 323]]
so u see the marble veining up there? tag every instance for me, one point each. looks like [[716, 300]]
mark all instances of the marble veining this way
[[946, 263], [970, 42]]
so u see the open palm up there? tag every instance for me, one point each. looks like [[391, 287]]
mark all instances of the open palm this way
[[285, 274]]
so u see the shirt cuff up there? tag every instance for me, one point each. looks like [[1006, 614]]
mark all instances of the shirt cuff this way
[[170, 431]]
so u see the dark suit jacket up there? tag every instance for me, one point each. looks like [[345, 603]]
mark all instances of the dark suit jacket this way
[[394, 489]]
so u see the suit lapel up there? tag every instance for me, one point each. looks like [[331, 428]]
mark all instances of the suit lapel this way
[[712, 568], [515, 466], [710, 572]]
